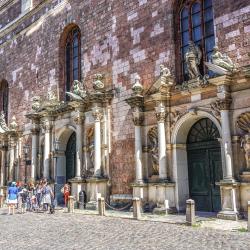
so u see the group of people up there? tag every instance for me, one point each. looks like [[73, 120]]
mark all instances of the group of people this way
[[30, 197]]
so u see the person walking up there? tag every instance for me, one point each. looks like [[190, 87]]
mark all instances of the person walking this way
[[12, 198], [47, 196], [66, 193]]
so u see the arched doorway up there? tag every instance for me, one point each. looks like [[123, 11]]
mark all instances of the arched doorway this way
[[71, 157], [204, 165]]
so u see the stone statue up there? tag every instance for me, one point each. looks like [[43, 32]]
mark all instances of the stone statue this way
[[3, 124], [153, 149], [137, 88], [79, 91], [222, 61], [98, 84], [36, 103], [51, 96], [192, 60], [164, 71], [13, 124]]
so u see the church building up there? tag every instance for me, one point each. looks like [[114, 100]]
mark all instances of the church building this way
[[128, 98]]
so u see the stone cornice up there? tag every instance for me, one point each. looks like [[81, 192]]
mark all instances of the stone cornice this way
[[6, 3]]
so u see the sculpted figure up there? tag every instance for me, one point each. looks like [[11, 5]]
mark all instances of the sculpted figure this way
[[13, 124], [192, 60], [153, 149], [98, 82], [164, 71], [222, 60], [3, 122], [51, 96], [91, 145], [79, 89], [36, 103]]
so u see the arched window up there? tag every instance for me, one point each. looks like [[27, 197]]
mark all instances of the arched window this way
[[4, 98], [196, 24], [72, 57]]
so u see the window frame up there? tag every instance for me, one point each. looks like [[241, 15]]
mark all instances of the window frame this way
[[188, 5], [69, 66]]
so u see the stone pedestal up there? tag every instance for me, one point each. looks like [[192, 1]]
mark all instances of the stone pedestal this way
[[244, 196], [96, 188], [156, 193], [229, 200]]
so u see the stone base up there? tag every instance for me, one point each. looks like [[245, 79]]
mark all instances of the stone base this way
[[96, 187], [228, 215], [230, 196], [92, 205], [245, 176], [77, 185], [156, 193]]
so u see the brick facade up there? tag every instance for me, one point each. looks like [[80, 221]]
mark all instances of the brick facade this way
[[119, 39]]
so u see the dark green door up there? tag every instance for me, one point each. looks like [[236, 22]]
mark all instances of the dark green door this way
[[204, 165], [71, 157]]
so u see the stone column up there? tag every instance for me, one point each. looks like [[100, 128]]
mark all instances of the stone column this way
[[12, 158], [34, 152], [79, 119], [160, 115], [226, 137], [47, 149], [138, 119], [3, 166], [97, 161]]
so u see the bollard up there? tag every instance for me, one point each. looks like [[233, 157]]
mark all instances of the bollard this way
[[101, 206], [248, 216], [166, 204], [136, 208], [190, 212], [71, 204]]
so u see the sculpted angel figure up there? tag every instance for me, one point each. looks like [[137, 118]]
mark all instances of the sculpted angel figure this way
[[192, 60], [221, 60]]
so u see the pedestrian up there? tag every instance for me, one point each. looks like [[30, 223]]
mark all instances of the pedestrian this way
[[39, 187], [66, 193], [12, 198], [47, 196], [24, 200]]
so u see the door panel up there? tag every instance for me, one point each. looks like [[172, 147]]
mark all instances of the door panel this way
[[216, 176], [199, 181], [70, 157]]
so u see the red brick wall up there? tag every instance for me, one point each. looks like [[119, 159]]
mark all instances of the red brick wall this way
[[119, 38]]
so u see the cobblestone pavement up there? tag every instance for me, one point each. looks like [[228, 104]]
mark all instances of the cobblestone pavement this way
[[78, 231]]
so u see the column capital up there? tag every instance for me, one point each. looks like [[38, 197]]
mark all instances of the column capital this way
[[79, 118], [138, 117], [97, 114], [160, 113], [47, 127], [35, 131], [223, 104]]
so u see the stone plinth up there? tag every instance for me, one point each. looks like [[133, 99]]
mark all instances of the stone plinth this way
[[245, 176], [136, 208], [229, 200], [96, 188], [244, 196], [157, 193], [77, 185]]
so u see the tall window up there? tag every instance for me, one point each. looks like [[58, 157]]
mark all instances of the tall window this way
[[196, 24], [4, 98], [72, 58]]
